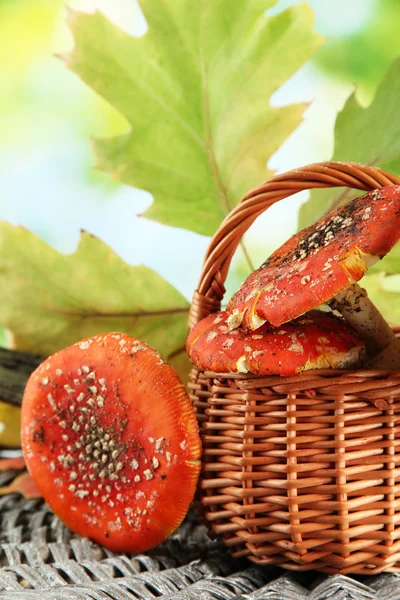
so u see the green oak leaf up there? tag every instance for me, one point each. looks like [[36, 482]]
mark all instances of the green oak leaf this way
[[51, 300], [195, 91], [368, 135]]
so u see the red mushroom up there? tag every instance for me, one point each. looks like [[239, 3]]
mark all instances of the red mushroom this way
[[323, 262], [316, 340], [111, 441]]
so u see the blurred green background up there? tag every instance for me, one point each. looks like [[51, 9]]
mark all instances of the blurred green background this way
[[48, 180]]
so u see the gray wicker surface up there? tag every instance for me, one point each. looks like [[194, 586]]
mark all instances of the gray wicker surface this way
[[41, 559]]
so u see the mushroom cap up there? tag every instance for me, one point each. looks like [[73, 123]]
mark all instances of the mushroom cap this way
[[318, 262], [318, 340], [111, 440]]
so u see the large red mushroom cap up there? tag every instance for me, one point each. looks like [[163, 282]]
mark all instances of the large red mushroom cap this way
[[317, 340], [111, 440], [318, 262]]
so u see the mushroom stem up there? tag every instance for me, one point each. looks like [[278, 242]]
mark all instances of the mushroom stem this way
[[366, 320], [387, 359]]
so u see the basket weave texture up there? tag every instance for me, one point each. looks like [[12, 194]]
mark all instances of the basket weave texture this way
[[303, 471]]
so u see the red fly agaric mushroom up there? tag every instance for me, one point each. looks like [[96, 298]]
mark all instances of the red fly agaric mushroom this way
[[323, 262], [111, 441], [317, 340]]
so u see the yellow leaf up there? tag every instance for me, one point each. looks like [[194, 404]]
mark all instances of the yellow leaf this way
[[10, 425]]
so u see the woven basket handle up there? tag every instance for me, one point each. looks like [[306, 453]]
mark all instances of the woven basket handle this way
[[210, 291]]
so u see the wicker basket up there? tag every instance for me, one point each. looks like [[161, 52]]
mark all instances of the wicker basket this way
[[303, 471]]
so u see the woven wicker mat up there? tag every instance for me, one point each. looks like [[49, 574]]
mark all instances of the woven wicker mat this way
[[42, 559]]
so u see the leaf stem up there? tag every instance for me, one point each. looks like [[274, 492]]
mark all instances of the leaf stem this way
[[208, 132], [247, 256], [339, 200]]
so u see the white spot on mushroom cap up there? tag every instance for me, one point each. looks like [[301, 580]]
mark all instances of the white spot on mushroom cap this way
[[235, 319], [158, 443], [296, 347], [228, 343], [241, 365], [82, 494], [136, 347], [224, 329]]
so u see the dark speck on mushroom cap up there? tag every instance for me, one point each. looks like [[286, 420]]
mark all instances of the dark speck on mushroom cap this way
[[319, 261]]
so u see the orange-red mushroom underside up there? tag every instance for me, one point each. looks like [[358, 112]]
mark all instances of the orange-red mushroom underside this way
[[111, 441], [318, 262], [315, 341]]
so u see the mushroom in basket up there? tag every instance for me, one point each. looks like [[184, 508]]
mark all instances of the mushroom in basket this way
[[316, 340], [322, 263]]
